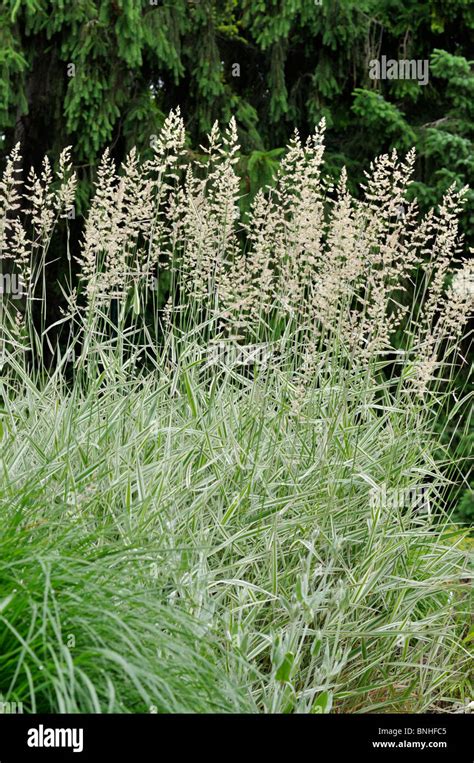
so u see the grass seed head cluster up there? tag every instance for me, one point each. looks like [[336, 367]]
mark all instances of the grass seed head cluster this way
[[206, 532]]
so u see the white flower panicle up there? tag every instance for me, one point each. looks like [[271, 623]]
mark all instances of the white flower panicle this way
[[308, 252]]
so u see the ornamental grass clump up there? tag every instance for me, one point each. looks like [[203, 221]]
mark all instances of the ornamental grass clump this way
[[229, 486]]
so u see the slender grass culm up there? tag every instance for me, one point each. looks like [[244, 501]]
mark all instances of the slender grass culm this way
[[222, 485]]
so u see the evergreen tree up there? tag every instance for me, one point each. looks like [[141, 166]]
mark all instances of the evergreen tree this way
[[105, 72]]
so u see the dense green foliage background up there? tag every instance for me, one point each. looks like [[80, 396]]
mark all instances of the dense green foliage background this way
[[93, 74], [97, 73]]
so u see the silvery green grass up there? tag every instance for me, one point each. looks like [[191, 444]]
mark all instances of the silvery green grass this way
[[234, 500]]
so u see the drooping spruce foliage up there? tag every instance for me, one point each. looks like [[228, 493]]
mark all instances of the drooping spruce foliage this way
[[94, 73], [237, 500]]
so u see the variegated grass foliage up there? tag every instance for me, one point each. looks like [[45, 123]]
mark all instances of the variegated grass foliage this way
[[217, 533]]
